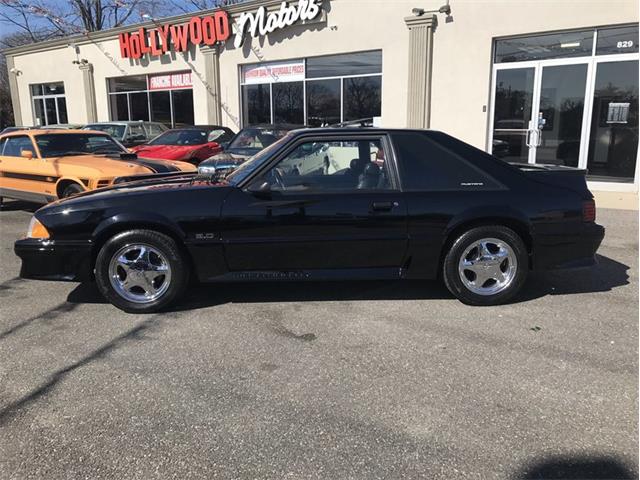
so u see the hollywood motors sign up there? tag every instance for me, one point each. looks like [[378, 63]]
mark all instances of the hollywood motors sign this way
[[215, 28]]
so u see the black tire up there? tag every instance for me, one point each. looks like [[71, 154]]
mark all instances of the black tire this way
[[179, 269], [71, 189], [452, 276]]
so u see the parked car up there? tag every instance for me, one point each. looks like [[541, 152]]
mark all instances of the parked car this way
[[189, 144], [65, 126], [427, 206], [245, 144], [130, 134], [16, 129], [44, 165]]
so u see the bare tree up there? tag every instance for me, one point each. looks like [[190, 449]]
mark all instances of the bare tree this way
[[188, 6], [40, 19]]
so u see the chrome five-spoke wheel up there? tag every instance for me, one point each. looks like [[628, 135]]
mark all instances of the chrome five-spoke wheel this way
[[488, 266], [139, 273]]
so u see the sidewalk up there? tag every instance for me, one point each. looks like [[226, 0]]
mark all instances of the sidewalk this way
[[618, 200]]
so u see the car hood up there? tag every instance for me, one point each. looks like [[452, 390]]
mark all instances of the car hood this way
[[122, 192], [113, 166], [169, 152], [101, 165], [237, 156]]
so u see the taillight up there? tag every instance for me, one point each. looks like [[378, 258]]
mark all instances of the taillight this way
[[589, 211]]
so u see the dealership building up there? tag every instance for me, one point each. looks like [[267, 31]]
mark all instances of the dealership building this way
[[539, 82]]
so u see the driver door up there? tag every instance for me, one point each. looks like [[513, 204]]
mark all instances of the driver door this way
[[326, 203]]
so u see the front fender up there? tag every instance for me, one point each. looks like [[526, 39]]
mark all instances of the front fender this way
[[125, 220]]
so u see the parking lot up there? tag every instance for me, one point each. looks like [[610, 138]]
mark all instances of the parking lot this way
[[331, 380]]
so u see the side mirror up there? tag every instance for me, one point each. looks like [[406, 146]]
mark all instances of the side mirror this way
[[26, 154], [260, 189]]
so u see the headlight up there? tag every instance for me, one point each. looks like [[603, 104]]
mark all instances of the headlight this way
[[207, 170], [36, 229]]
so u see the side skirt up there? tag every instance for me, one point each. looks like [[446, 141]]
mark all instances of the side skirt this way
[[26, 196], [392, 273]]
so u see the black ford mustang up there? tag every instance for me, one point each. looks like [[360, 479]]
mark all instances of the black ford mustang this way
[[353, 203]]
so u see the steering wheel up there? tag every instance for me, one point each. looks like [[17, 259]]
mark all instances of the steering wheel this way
[[278, 178]]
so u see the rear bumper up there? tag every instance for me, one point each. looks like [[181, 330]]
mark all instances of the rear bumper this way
[[51, 260], [574, 250]]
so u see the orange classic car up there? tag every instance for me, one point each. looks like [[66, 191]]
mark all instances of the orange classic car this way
[[44, 165]]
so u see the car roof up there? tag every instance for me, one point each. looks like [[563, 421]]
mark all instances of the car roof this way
[[274, 126], [53, 131], [348, 130], [124, 122]]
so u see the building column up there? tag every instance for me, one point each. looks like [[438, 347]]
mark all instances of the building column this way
[[212, 84], [89, 92], [420, 65], [13, 87]]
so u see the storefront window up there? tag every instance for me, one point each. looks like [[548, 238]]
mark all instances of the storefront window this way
[[613, 144], [119, 107], [160, 107], [361, 63], [362, 97], [617, 40], [182, 107], [540, 47], [139, 106], [323, 102], [148, 97], [49, 103], [315, 91], [288, 99], [256, 101]]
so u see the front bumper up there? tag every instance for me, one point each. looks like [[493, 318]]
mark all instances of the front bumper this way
[[563, 250], [55, 260]]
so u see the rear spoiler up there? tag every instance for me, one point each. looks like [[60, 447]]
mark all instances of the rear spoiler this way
[[539, 167], [152, 176]]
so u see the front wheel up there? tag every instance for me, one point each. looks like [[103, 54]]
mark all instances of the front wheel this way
[[71, 189], [141, 271], [486, 265]]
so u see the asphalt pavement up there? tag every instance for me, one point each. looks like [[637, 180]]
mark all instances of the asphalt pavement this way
[[358, 380]]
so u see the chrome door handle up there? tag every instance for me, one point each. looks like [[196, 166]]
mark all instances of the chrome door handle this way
[[527, 140], [538, 137]]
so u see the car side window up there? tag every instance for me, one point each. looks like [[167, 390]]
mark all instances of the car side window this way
[[343, 165], [427, 165], [153, 130], [136, 131], [14, 146]]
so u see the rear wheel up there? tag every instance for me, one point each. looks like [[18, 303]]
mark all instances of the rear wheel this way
[[141, 271], [486, 265], [71, 189]]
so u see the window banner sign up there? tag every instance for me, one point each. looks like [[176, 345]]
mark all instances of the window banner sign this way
[[214, 28], [273, 72], [170, 81]]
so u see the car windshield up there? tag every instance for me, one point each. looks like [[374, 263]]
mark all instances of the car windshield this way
[[62, 144], [256, 138], [251, 165], [190, 136], [116, 131]]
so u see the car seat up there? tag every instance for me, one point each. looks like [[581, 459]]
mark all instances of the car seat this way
[[369, 177]]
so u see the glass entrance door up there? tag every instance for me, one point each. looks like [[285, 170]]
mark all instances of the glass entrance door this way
[[538, 114], [512, 113], [559, 122]]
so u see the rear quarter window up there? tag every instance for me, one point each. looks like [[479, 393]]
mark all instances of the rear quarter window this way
[[424, 164]]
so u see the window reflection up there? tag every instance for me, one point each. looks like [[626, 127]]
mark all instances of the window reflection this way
[[323, 102], [256, 102], [540, 47], [613, 141], [362, 97], [288, 104]]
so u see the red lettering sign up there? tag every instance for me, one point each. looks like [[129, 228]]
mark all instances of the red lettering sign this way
[[157, 41]]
